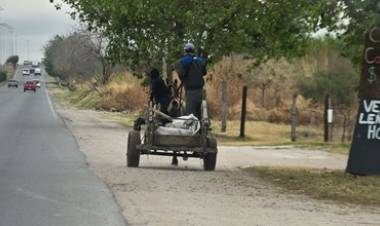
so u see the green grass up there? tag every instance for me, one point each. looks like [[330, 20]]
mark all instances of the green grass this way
[[77, 98], [323, 184]]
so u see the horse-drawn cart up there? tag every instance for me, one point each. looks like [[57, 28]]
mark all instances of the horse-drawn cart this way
[[200, 145]]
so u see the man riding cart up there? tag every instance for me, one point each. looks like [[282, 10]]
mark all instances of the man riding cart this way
[[166, 135]]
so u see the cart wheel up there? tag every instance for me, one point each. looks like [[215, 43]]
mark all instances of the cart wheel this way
[[133, 155], [212, 143], [209, 162]]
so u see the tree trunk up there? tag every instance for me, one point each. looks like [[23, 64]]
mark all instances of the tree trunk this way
[[293, 133], [106, 71], [224, 106]]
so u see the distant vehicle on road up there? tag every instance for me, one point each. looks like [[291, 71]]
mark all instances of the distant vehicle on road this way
[[30, 85], [27, 62], [35, 64], [37, 71], [26, 72], [13, 83], [37, 83]]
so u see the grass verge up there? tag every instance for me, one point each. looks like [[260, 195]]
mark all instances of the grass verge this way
[[86, 100], [323, 184]]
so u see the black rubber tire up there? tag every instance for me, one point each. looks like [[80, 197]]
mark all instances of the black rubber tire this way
[[133, 155], [212, 143], [209, 162]]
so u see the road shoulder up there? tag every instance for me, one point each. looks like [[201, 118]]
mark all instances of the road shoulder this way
[[159, 194]]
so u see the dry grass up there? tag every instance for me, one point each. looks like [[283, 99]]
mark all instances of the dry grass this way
[[123, 94], [227, 69], [323, 184], [262, 133], [265, 133]]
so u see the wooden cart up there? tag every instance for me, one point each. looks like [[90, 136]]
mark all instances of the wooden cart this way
[[201, 145]]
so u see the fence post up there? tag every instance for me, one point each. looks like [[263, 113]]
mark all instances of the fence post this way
[[243, 112], [224, 106], [344, 128], [326, 118], [293, 133], [311, 125]]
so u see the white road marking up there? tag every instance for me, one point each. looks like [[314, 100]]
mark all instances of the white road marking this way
[[36, 196], [51, 104]]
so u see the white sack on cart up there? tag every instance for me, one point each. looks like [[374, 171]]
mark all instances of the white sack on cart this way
[[183, 126]]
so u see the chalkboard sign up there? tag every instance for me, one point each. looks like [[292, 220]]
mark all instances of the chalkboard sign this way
[[365, 149], [370, 76], [364, 156]]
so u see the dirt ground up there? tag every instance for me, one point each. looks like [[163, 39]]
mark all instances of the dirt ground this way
[[163, 195]]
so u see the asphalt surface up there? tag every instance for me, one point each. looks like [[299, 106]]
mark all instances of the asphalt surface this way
[[44, 179]]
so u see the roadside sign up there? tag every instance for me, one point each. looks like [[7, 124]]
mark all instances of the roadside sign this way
[[364, 156]]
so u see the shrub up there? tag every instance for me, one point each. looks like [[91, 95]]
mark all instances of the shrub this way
[[13, 60], [3, 76], [127, 94]]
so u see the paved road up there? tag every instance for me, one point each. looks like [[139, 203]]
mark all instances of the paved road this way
[[44, 179]]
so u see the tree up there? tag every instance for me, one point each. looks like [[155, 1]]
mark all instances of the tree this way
[[3, 76], [71, 57], [144, 32], [98, 44], [50, 51], [328, 73], [13, 60], [348, 20]]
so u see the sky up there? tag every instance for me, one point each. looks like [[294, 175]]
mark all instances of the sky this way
[[34, 22]]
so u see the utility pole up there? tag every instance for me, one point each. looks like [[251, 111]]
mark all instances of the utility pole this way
[[16, 44], [7, 40], [27, 49], [1, 45], [12, 41]]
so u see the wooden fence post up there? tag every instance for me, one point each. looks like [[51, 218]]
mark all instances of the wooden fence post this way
[[243, 112], [294, 118], [326, 118], [344, 128], [224, 106]]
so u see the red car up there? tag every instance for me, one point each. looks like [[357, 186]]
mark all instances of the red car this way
[[30, 85]]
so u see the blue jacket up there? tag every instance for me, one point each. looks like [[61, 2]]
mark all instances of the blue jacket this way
[[191, 70]]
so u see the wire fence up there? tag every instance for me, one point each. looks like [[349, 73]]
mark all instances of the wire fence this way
[[339, 129], [329, 123]]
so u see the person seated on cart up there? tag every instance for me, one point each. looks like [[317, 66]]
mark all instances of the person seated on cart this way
[[191, 70], [160, 92]]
